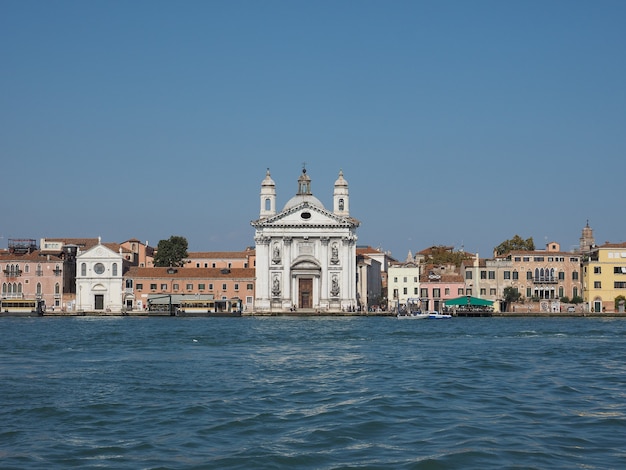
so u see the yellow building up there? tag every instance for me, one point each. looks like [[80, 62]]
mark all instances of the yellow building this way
[[604, 278]]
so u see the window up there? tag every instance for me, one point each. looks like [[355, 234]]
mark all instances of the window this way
[[492, 274], [139, 286], [250, 286], [619, 285], [515, 275], [57, 289], [163, 286], [236, 286], [27, 268], [404, 279], [483, 291], [223, 286], [415, 291], [447, 292], [415, 279], [39, 288], [210, 286], [189, 286], [83, 269], [538, 259], [200, 286], [529, 275], [153, 286], [468, 291], [197, 265], [526, 259], [468, 274], [597, 270], [529, 293], [619, 270], [597, 285], [492, 292], [561, 276], [507, 274], [436, 293], [175, 286], [212, 265], [518, 259], [575, 292], [459, 291], [114, 269], [483, 274], [575, 275], [395, 279], [424, 293], [404, 291], [560, 291]]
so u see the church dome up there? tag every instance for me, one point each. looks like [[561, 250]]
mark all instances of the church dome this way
[[300, 198], [304, 193]]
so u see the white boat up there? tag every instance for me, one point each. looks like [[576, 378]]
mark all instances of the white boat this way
[[413, 315], [436, 314]]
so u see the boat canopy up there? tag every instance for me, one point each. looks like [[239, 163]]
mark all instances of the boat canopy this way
[[468, 300]]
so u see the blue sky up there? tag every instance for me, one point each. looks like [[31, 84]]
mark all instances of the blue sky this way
[[459, 123]]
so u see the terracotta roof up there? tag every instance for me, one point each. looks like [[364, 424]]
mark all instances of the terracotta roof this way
[[34, 256], [218, 254], [187, 273]]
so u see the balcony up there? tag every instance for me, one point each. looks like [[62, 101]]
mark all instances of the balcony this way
[[12, 272], [545, 280]]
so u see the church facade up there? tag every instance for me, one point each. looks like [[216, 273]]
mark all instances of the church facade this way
[[305, 254]]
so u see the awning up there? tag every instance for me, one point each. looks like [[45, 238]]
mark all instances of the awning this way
[[468, 300]]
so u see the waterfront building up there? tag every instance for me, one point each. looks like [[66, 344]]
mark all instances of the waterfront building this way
[[99, 279], [545, 276], [439, 283], [604, 278], [305, 254], [369, 280], [221, 259], [30, 274], [403, 283], [149, 285]]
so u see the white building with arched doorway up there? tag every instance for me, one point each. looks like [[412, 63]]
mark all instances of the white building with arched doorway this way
[[99, 280], [305, 254]]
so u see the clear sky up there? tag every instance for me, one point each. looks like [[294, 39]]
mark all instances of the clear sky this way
[[457, 123]]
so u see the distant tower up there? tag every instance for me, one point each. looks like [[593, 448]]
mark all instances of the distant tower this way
[[586, 240], [268, 196], [341, 204]]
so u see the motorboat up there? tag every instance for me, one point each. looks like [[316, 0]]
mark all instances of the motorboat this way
[[436, 314], [413, 315]]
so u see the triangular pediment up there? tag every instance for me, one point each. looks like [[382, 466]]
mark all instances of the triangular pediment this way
[[306, 215]]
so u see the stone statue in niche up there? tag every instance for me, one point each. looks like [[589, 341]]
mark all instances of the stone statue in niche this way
[[276, 254], [334, 254], [276, 287], [334, 289]]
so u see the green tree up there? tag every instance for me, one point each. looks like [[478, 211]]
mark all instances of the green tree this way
[[510, 295], [515, 243], [171, 252], [441, 255]]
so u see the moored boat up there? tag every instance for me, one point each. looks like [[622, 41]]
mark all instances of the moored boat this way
[[436, 314]]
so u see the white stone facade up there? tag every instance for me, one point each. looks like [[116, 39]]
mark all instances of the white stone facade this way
[[305, 254], [99, 280]]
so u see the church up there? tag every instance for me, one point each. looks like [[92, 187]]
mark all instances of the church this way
[[305, 254]]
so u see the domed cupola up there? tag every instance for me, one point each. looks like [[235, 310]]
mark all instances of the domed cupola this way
[[304, 193], [268, 196], [340, 196]]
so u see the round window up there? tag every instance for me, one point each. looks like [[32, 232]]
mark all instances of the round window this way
[[98, 268], [306, 215]]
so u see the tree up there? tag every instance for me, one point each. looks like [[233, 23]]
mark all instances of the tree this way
[[510, 295], [442, 255], [171, 252], [515, 243]]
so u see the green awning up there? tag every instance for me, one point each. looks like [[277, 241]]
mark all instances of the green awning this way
[[468, 300]]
